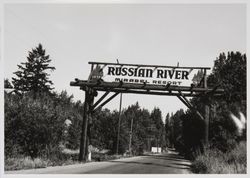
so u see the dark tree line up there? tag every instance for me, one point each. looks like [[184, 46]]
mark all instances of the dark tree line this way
[[185, 131], [135, 125]]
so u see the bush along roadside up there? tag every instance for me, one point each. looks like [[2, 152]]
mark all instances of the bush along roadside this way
[[61, 158], [214, 161]]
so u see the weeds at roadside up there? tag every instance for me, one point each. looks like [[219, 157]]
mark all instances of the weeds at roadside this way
[[216, 162]]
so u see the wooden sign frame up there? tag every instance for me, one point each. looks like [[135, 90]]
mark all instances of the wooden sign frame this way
[[95, 84]]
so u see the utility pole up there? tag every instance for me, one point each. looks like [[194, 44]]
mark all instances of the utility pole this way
[[130, 134], [119, 122]]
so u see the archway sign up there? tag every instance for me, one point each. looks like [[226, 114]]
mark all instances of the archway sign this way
[[141, 79]]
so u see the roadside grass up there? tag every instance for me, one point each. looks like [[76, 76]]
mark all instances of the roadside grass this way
[[107, 157], [217, 162], [25, 163], [66, 157]]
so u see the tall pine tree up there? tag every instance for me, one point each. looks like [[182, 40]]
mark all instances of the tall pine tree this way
[[32, 74]]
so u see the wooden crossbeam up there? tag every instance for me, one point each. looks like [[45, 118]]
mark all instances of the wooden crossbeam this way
[[214, 89], [140, 86], [147, 92], [141, 65]]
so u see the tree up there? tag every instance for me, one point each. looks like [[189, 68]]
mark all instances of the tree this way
[[7, 84], [177, 128], [35, 126], [168, 130], [156, 117], [230, 73], [32, 74], [198, 77]]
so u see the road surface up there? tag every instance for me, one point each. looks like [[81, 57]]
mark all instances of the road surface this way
[[167, 163]]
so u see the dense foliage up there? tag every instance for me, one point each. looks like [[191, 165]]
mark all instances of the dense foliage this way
[[229, 73], [36, 127], [216, 162], [135, 125], [41, 123]]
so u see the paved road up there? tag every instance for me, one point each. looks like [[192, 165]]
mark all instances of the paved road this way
[[168, 163]]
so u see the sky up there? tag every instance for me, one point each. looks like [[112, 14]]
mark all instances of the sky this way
[[160, 34]]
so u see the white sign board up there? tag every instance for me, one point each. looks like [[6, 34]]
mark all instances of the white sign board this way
[[155, 75], [149, 75], [156, 149]]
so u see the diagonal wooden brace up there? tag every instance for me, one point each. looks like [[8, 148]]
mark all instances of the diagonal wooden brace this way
[[105, 102], [189, 105], [100, 100]]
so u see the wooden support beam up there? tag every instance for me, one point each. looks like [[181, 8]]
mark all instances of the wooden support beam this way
[[85, 134], [89, 125], [206, 137], [105, 102], [213, 90], [100, 100], [185, 99], [141, 65], [205, 78], [191, 88], [83, 141], [76, 80], [144, 84], [140, 86], [184, 102], [167, 86], [120, 83], [188, 104], [206, 140], [147, 92], [201, 82]]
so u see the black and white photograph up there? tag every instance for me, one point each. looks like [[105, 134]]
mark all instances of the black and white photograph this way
[[135, 88]]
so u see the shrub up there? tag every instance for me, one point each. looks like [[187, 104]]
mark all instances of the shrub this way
[[36, 127], [238, 155], [199, 166], [25, 163], [217, 162]]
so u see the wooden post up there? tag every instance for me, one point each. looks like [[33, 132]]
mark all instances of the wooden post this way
[[90, 117], [206, 125], [119, 122], [83, 141], [206, 135]]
